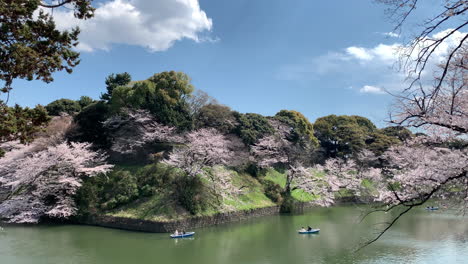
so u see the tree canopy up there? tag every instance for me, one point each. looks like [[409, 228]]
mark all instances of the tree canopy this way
[[302, 129], [66, 106], [17, 123], [164, 94], [32, 47], [342, 136]]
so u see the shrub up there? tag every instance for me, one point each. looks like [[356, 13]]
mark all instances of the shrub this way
[[120, 188], [273, 191], [191, 194], [153, 177]]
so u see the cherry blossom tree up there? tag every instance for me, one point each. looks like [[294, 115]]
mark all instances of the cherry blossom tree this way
[[205, 148], [133, 129], [279, 149], [42, 184]]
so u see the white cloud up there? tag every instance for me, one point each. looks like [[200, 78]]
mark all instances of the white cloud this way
[[382, 53], [391, 34], [360, 53], [155, 25], [357, 66], [371, 89]]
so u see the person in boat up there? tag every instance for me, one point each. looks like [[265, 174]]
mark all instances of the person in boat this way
[[309, 228], [176, 233], [183, 232], [302, 229]]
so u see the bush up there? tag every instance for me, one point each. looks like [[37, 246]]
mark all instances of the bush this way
[[120, 189], [191, 194], [273, 191], [153, 177]]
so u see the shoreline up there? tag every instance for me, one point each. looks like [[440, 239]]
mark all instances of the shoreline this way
[[150, 226]]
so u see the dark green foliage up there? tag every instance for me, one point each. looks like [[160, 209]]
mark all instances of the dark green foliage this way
[[364, 123], [31, 47], [287, 205], [273, 191], [17, 123], [113, 81], [302, 129], [218, 116], [60, 106], [457, 143], [251, 127], [84, 101], [343, 136], [399, 132], [104, 192], [153, 177], [120, 189], [379, 142], [191, 194], [90, 124], [164, 95]]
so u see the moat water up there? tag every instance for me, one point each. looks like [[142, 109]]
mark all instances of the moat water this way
[[419, 237]]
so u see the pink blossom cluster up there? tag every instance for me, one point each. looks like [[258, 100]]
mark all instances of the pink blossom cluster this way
[[48, 179], [135, 128], [207, 147]]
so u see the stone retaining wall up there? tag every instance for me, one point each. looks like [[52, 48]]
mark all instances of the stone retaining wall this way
[[185, 224], [198, 221]]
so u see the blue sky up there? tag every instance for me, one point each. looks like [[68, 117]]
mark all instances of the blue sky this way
[[317, 57]]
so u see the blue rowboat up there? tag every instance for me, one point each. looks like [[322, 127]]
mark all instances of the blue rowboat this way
[[313, 231], [432, 208], [188, 234]]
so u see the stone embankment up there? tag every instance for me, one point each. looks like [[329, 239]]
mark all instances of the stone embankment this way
[[197, 221], [185, 224]]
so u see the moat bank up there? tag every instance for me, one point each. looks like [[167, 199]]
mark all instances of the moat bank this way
[[195, 221]]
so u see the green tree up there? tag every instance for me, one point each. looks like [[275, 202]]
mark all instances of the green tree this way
[[399, 132], [84, 101], [165, 95], [218, 116], [343, 136], [379, 142], [90, 124], [17, 123], [251, 127], [302, 129], [31, 47], [59, 106], [113, 81]]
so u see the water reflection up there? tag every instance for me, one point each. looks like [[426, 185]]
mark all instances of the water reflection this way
[[420, 237]]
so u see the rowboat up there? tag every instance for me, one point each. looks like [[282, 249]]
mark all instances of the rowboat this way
[[313, 231], [188, 234], [432, 208]]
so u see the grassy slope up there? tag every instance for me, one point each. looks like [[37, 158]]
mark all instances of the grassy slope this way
[[160, 208], [280, 179]]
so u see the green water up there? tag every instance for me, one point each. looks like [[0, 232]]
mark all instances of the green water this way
[[421, 237]]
